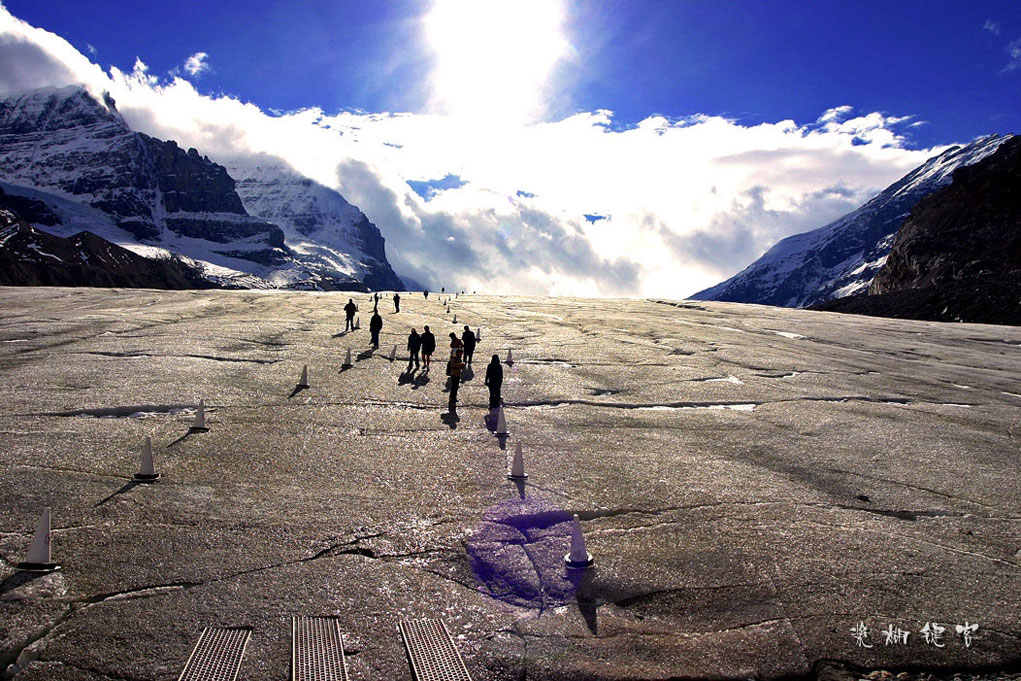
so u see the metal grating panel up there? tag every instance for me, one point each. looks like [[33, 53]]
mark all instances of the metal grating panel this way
[[217, 655], [431, 651], [317, 650]]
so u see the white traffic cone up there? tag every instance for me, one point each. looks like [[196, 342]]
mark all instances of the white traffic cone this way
[[200, 418], [517, 471], [147, 471], [578, 558], [347, 360], [393, 354], [510, 358], [501, 423], [38, 559], [303, 383]]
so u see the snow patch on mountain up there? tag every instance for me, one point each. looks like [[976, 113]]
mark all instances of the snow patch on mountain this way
[[843, 257]]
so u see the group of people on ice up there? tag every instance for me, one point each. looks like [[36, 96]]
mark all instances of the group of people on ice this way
[[422, 346]]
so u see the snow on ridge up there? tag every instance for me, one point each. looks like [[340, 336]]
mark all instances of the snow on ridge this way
[[840, 258]]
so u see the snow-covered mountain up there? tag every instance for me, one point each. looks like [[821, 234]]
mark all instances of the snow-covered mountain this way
[[77, 155], [326, 235], [842, 258]]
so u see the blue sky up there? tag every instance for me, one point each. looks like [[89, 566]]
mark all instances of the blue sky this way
[[547, 146], [756, 61]]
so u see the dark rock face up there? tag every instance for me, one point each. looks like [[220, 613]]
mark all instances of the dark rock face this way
[[67, 141], [189, 182], [31, 257], [842, 258], [69, 145], [29, 209], [958, 256]]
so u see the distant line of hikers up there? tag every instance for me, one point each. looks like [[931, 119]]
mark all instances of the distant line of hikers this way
[[462, 351]]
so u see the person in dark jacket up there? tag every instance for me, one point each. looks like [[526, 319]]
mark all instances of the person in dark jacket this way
[[494, 380], [455, 381], [350, 310], [375, 326], [456, 347], [428, 347], [469, 340], [414, 345], [397, 303]]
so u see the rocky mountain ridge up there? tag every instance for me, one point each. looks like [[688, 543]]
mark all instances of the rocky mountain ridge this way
[[61, 145], [841, 258], [958, 255], [29, 256]]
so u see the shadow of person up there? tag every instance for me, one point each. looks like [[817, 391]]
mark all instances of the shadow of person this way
[[420, 380], [365, 355], [407, 377], [297, 389], [128, 486], [450, 419], [340, 334]]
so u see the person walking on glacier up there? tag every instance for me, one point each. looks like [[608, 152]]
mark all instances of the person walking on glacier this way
[[414, 345], [397, 303], [428, 347], [469, 340], [375, 326], [494, 381], [350, 310]]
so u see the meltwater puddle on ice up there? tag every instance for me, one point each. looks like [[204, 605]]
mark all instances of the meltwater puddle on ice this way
[[138, 411], [731, 407]]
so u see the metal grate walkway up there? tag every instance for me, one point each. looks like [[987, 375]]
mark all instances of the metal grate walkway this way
[[431, 651], [217, 655], [317, 650]]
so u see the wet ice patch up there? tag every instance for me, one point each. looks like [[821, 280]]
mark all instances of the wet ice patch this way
[[133, 412], [731, 407], [728, 379], [786, 334]]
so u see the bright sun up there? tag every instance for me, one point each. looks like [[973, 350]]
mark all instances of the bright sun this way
[[494, 58]]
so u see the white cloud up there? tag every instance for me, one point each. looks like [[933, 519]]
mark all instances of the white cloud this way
[[992, 26], [689, 202], [196, 64], [1014, 51]]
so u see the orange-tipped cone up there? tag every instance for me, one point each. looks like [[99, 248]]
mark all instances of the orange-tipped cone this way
[[517, 471], [578, 558], [38, 559], [147, 471]]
